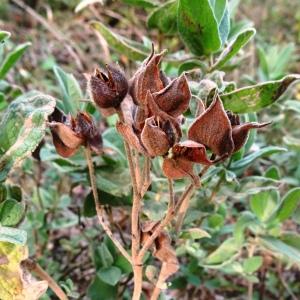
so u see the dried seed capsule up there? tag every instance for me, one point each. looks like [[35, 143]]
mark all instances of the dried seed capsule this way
[[108, 91]]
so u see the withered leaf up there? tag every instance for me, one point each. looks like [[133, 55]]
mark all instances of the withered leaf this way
[[166, 254], [240, 133], [213, 129], [154, 138], [174, 98]]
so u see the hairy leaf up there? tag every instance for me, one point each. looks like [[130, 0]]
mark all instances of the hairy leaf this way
[[70, 88], [164, 17], [198, 26], [254, 98], [22, 128]]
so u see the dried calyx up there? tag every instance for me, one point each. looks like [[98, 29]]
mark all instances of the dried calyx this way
[[70, 133]]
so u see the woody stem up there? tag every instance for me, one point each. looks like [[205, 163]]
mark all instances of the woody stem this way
[[135, 215], [99, 209], [168, 217], [183, 204], [33, 266]]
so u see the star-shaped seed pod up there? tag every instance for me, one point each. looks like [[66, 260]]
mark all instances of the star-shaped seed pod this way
[[221, 133], [70, 133], [108, 90]]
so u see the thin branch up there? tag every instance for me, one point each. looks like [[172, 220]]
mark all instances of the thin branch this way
[[99, 209], [33, 266], [146, 176], [160, 282]]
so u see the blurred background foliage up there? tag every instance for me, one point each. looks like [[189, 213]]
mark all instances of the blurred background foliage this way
[[237, 236]]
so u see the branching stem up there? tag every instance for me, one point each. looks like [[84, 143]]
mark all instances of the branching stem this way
[[99, 209]]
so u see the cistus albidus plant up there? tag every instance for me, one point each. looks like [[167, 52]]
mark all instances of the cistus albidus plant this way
[[150, 108], [188, 139]]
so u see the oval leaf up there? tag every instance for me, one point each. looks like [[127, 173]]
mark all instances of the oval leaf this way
[[254, 98], [198, 26], [22, 128], [288, 204], [11, 212], [164, 17], [110, 275]]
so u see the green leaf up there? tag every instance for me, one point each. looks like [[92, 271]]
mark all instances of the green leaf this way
[[234, 47], [293, 143], [282, 248], [3, 102], [249, 159], [225, 251], [219, 7], [292, 239], [191, 65], [254, 98], [243, 222], [224, 24], [4, 35], [142, 3], [13, 235], [119, 43], [106, 257], [12, 58], [198, 26], [100, 288], [252, 264], [11, 212], [106, 199], [22, 128], [71, 90], [263, 204], [273, 173], [164, 18], [288, 204], [195, 234], [110, 275]]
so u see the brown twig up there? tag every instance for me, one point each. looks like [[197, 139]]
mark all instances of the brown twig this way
[[168, 217], [99, 209], [33, 266]]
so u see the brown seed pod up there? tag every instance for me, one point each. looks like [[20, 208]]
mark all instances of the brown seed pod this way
[[213, 129], [154, 139], [108, 90], [174, 99]]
